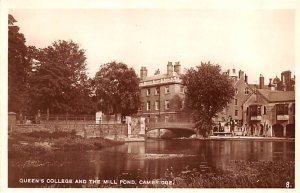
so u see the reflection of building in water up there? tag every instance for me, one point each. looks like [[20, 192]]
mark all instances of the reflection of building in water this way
[[222, 152]]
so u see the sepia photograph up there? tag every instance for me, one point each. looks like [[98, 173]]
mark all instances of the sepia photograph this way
[[151, 97]]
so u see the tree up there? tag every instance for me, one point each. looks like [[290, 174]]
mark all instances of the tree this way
[[18, 68], [176, 103], [59, 81], [117, 89], [207, 92]]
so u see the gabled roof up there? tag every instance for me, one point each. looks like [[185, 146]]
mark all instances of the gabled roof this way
[[277, 96]]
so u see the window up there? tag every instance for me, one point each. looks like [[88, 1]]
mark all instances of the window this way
[[148, 91], [265, 110], [258, 110], [236, 113], [181, 89], [157, 91], [156, 105], [167, 90], [167, 118], [156, 118], [167, 104], [293, 108], [246, 90], [182, 104], [235, 101], [148, 105], [282, 109], [236, 91], [255, 110]]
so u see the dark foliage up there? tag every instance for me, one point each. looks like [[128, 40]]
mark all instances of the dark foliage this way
[[208, 91], [117, 89]]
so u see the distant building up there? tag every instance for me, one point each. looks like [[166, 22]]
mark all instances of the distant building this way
[[270, 113], [286, 83], [162, 95], [242, 91], [270, 110]]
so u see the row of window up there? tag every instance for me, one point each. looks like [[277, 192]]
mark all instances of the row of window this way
[[246, 90], [157, 117], [157, 105], [167, 90], [281, 109]]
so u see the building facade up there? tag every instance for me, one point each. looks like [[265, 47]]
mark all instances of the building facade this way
[[270, 113], [162, 95], [270, 110], [242, 91]]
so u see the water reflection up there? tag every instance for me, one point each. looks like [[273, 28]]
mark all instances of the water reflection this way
[[148, 160]]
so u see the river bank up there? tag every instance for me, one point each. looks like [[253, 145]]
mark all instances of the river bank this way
[[45, 142], [240, 174]]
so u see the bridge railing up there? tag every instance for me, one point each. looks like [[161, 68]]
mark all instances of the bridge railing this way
[[172, 125]]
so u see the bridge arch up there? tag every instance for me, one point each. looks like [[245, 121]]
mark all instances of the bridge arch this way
[[171, 129]]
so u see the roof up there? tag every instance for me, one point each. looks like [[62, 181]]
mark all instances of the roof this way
[[160, 76], [252, 86], [277, 96]]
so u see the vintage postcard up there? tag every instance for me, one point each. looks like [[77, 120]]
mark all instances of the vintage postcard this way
[[147, 95]]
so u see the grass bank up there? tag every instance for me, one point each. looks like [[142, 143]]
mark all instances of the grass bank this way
[[240, 174], [43, 142]]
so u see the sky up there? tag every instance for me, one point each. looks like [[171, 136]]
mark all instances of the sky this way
[[257, 41]]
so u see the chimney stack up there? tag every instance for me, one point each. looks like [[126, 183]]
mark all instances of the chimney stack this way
[[261, 81], [177, 68], [169, 68], [246, 78], [143, 73], [286, 79], [241, 74]]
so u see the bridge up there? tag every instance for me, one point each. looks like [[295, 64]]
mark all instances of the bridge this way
[[177, 129]]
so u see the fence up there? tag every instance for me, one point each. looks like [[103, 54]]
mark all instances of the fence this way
[[66, 119]]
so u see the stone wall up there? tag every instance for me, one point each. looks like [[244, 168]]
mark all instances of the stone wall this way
[[85, 130]]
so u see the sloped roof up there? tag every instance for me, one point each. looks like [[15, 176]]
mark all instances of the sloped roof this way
[[252, 86], [277, 96]]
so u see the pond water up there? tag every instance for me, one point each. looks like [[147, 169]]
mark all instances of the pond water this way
[[145, 160]]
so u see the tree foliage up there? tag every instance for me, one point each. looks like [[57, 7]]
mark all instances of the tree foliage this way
[[59, 81], [176, 103], [117, 89], [18, 68], [208, 91]]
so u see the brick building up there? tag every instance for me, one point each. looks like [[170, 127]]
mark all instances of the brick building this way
[[242, 90], [270, 113], [162, 95], [270, 110]]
